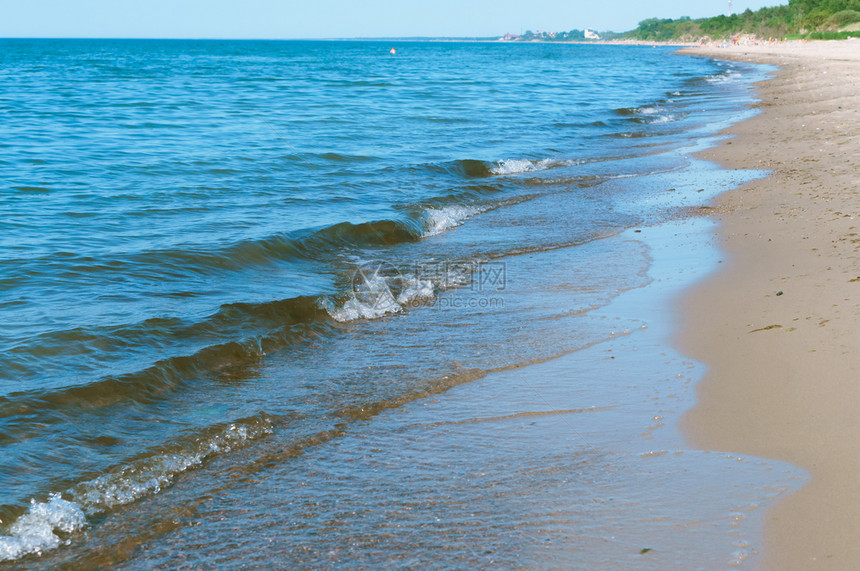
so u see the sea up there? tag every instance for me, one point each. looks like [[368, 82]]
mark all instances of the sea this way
[[315, 304]]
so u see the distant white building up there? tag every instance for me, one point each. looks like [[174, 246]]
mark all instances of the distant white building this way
[[591, 34]]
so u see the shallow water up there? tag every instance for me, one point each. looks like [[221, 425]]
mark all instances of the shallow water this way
[[307, 300]]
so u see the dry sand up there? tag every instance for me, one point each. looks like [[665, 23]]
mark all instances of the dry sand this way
[[779, 326]]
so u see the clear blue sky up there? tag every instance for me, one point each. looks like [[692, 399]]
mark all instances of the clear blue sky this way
[[336, 18]]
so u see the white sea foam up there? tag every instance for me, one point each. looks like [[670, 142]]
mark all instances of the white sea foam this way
[[514, 166], [129, 483], [666, 118], [36, 530], [353, 308], [519, 166], [375, 295], [720, 78], [381, 291], [438, 220], [416, 291], [657, 115]]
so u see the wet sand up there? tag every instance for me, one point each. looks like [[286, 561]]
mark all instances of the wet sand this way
[[779, 325]]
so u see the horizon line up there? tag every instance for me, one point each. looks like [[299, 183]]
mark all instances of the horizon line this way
[[494, 37]]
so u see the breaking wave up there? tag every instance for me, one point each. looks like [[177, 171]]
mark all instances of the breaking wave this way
[[439, 220], [48, 524], [378, 290], [727, 76], [649, 115], [519, 166]]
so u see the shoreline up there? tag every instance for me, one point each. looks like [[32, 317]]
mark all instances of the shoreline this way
[[781, 336]]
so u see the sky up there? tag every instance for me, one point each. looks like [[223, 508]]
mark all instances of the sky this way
[[293, 19]]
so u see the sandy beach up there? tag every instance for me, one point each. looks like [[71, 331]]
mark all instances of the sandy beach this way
[[778, 325]]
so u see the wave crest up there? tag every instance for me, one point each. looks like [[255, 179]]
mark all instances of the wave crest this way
[[375, 295], [379, 290], [37, 529], [439, 220], [43, 526], [519, 166]]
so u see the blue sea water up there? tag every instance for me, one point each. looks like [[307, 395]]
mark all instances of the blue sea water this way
[[230, 253]]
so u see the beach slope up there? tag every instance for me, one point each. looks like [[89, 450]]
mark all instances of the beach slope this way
[[779, 325]]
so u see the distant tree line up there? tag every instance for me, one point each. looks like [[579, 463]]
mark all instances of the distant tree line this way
[[814, 19], [817, 19]]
